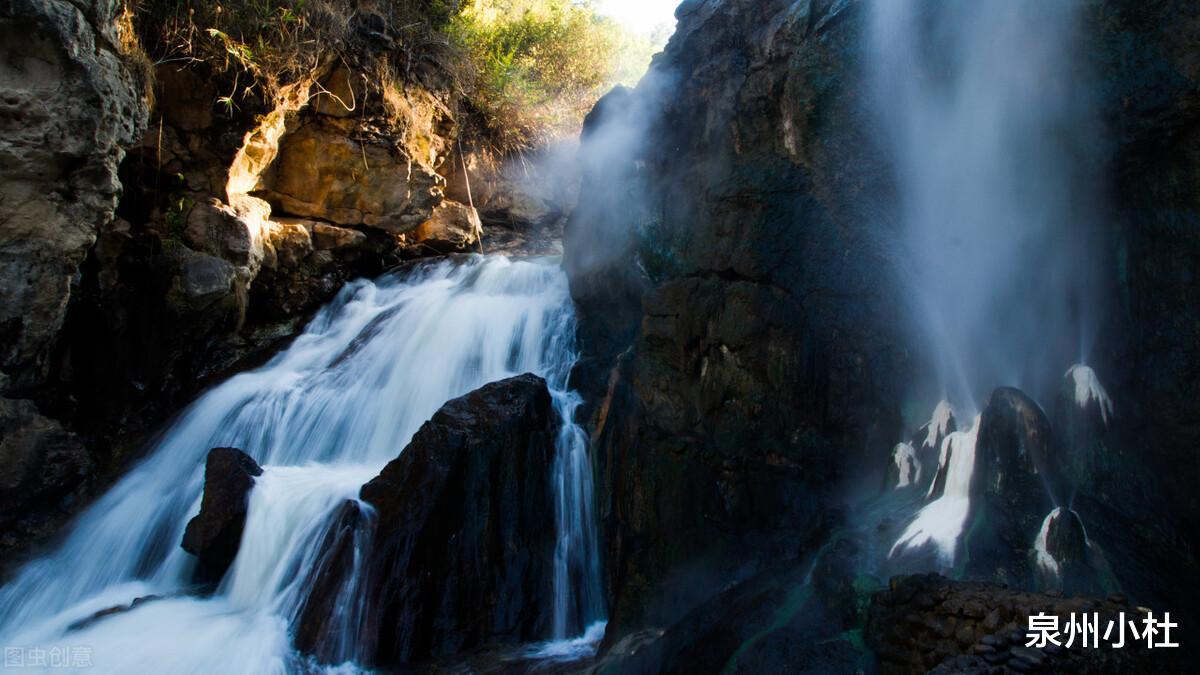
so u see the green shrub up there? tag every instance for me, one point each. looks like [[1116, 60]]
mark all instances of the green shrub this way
[[537, 66]]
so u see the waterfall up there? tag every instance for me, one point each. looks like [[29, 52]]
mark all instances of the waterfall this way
[[940, 522], [322, 418], [984, 115]]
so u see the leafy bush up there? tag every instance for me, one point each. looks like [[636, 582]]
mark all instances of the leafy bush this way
[[539, 65], [527, 70]]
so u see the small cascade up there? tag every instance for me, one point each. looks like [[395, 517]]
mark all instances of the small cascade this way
[[940, 523], [1089, 391], [322, 418], [940, 424], [1046, 562], [908, 466]]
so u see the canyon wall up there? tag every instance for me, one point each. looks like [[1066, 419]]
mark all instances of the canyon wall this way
[[747, 345]]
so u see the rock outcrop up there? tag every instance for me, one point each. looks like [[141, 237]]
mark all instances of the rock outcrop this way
[[45, 467], [462, 545], [720, 241], [71, 102], [215, 534], [744, 342]]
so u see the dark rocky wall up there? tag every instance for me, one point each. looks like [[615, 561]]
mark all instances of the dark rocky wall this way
[[771, 358], [767, 364]]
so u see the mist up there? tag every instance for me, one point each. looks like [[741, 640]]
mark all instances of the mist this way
[[984, 112]]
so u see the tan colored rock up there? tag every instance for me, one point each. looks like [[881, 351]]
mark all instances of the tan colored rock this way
[[453, 226], [323, 173], [290, 242], [328, 237]]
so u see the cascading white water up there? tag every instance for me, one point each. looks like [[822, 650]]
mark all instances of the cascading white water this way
[[940, 522], [322, 417], [984, 115]]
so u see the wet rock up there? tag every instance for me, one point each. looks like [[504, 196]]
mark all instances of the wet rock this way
[[215, 534], [112, 611], [1066, 561], [718, 234], [1015, 483], [463, 547], [904, 470], [1082, 417], [771, 622]]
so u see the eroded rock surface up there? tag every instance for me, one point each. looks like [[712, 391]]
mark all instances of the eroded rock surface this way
[[462, 547]]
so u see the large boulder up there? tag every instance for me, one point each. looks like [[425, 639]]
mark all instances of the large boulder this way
[[215, 534], [461, 553], [1015, 482]]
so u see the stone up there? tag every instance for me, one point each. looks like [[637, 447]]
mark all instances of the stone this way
[[216, 229], [45, 469], [323, 173], [452, 227], [462, 548], [70, 103], [215, 534], [204, 278], [327, 237]]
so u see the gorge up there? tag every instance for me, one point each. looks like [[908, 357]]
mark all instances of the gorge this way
[[853, 335]]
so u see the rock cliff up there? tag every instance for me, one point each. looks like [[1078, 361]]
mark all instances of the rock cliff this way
[[744, 338]]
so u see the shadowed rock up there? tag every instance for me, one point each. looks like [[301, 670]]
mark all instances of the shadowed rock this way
[[214, 535], [1017, 483], [462, 553]]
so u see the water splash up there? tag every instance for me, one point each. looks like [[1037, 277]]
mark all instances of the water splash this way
[[939, 423], [1088, 390], [1042, 556], [322, 417], [941, 521], [908, 466]]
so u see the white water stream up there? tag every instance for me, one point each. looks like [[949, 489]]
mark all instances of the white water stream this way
[[322, 418]]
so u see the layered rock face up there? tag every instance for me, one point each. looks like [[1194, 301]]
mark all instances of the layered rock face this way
[[744, 341], [460, 536], [70, 104], [766, 358]]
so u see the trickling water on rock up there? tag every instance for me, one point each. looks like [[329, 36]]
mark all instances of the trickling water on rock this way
[[321, 418]]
